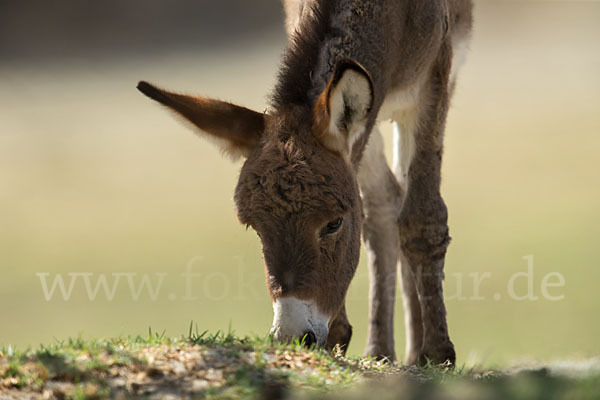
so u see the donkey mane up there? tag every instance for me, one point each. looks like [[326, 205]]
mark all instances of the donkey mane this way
[[295, 83]]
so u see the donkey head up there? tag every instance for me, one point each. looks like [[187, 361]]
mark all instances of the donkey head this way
[[298, 190]]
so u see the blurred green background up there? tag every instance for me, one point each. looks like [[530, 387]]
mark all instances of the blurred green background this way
[[95, 178]]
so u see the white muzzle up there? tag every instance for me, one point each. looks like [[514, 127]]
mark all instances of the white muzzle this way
[[294, 318]]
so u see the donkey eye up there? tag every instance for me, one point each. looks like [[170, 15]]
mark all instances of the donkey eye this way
[[332, 227]]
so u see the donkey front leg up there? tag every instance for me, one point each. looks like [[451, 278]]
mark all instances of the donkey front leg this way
[[424, 239], [413, 323], [423, 219], [404, 148], [381, 203]]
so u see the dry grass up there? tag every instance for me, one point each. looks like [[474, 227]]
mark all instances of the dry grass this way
[[226, 367]]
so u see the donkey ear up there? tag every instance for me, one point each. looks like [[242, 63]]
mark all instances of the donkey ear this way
[[341, 112], [237, 130]]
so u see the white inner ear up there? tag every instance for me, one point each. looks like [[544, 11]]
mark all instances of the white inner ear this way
[[349, 104]]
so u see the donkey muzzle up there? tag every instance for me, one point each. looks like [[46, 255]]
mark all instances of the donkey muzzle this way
[[301, 319]]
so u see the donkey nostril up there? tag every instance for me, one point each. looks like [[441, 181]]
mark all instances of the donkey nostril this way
[[309, 338]]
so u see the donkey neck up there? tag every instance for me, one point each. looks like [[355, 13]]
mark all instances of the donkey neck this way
[[330, 32]]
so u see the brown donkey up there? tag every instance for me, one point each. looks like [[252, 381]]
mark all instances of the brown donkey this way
[[315, 174]]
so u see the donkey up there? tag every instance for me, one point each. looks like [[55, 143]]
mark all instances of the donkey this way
[[315, 174]]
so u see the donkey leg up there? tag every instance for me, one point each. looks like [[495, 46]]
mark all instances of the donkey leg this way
[[423, 219], [381, 202], [424, 239], [340, 331], [413, 322], [404, 148]]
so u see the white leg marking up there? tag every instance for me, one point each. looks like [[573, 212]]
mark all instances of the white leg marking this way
[[401, 100], [373, 164], [405, 126], [402, 107], [460, 47]]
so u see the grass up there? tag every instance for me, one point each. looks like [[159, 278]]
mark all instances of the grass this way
[[223, 366]]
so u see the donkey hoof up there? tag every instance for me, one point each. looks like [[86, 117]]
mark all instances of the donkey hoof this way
[[381, 354], [442, 356]]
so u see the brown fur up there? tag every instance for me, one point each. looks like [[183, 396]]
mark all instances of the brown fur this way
[[288, 190], [292, 185]]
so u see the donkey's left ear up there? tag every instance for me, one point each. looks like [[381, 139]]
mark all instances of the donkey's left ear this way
[[341, 112]]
